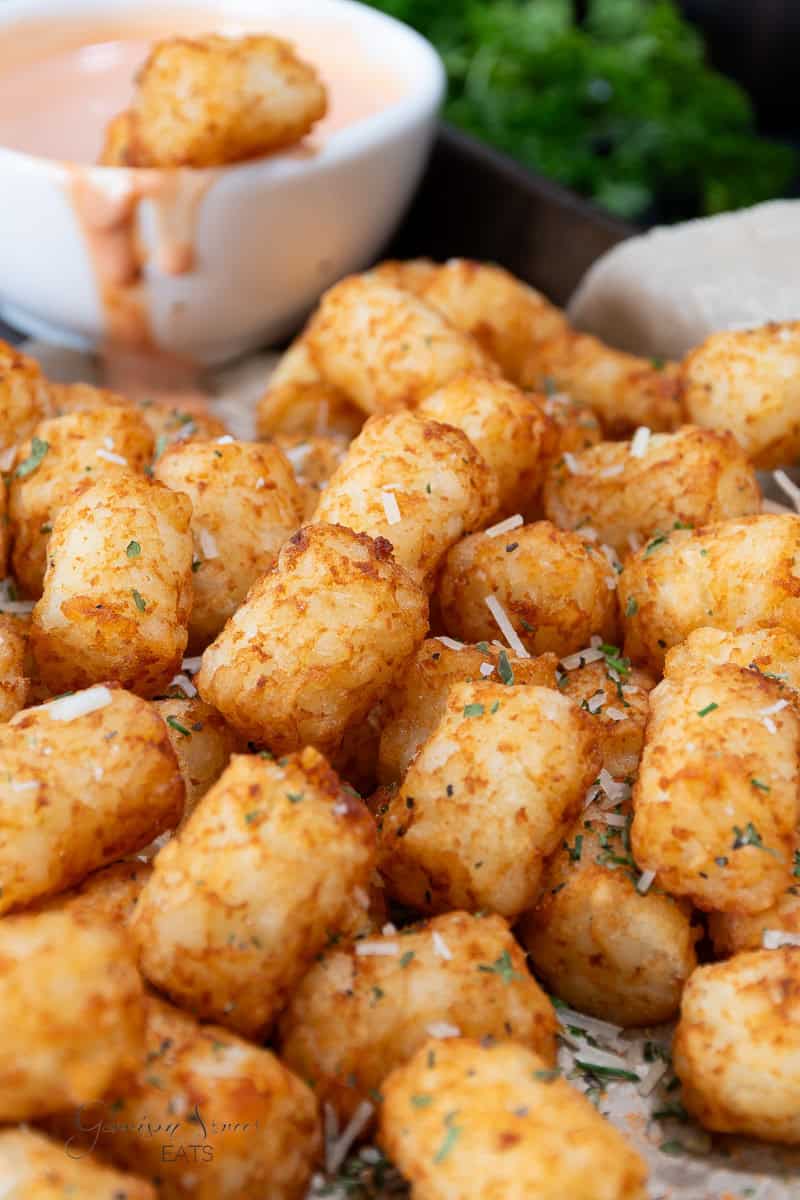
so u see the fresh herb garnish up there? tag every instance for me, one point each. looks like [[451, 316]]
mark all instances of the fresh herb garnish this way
[[38, 450], [175, 724]]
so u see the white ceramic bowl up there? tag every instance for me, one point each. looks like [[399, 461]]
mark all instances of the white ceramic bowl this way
[[269, 235]]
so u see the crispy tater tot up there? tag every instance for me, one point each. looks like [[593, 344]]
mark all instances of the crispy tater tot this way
[[732, 575], [202, 740], [245, 503], [596, 940], [717, 799], [555, 589], [627, 492], [205, 101], [487, 799], [32, 1167], [202, 1095], [83, 781], [83, 397], [478, 1121], [82, 447], [23, 396], [733, 932], [13, 680], [417, 483], [118, 588], [71, 1017], [748, 381], [107, 897], [191, 421], [773, 651], [624, 391], [504, 424], [263, 872], [362, 1011], [414, 707], [117, 143], [384, 348], [314, 461], [737, 1045], [572, 428], [615, 695], [298, 400], [318, 641]]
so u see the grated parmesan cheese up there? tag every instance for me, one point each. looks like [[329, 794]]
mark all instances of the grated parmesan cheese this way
[[391, 507], [573, 466], [23, 785], [773, 939], [225, 440], [653, 1077], [441, 1029], [788, 487], [377, 949], [574, 661], [640, 442], [645, 882], [440, 946], [777, 707], [451, 643], [505, 526], [611, 472], [486, 670], [109, 456], [208, 544], [69, 708], [192, 664], [506, 628], [185, 684], [337, 1149], [616, 714]]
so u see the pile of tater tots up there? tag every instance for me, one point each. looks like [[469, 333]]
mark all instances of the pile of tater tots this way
[[346, 773]]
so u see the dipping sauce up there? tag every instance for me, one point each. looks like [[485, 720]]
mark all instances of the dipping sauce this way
[[57, 102]]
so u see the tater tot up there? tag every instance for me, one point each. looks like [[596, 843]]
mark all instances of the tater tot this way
[[384, 348], [318, 641], [299, 401], [748, 381], [597, 941], [23, 396], [263, 872], [245, 503], [773, 651], [717, 799], [314, 462], [118, 588], [507, 427], [506, 317], [362, 1011], [487, 799], [202, 740], [205, 101], [731, 575], [207, 1115], [737, 1045], [13, 680], [81, 447], [71, 1018], [419, 484], [416, 704], [555, 589], [107, 897], [83, 781], [117, 143], [627, 492], [191, 421], [480, 1121], [32, 1167], [410, 274], [83, 397], [624, 391], [615, 695], [733, 932]]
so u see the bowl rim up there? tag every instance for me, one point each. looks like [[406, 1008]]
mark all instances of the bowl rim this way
[[418, 104]]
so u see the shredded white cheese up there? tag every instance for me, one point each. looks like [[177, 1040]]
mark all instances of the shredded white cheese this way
[[260, 483], [109, 456], [573, 466], [192, 664], [640, 442], [16, 607], [297, 455], [634, 541], [389, 929], [440, 946], [615, 819], [592, 1057], [645, 882], [769, 506], [773, 939], [7, 458], [777, 707], [451, 643], [574, 661], [377, 949], [788, 487], [505, 526], [69, 708], [616, 792], [506, 628], [108, 442], [616, 714], [769, 724], [340, 809], [23, 785], [655, 1073], [391, 507], [587, 533], [486, 670], [595, 702], [441, 1029], [208, 543], [185, 684], [337, 1150], [604, 1030], [225, 440]]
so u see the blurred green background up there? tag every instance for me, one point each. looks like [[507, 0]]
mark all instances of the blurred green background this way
[[614, 98]]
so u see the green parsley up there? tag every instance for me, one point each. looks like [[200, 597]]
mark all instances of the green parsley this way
[[494, 707], [138, 600], [709, 708], [501, 966], [253, 816], [449, 1141], [175, 724], [421, 1100], [632, 607], [762, 787], [377, 994], [474, 710], [546, 1076], [38, 450], [294, 797], [749, 836], [607, 1072], [576, 850], [657, 541], [615, 660], [672, 1147], [133, 549], [406, 958], [504, 668], [196, 565], [795, 872]]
